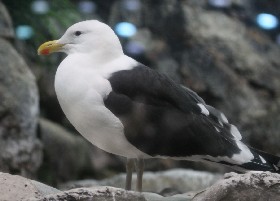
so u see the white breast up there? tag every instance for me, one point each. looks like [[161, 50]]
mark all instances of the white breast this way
[[81, 88]]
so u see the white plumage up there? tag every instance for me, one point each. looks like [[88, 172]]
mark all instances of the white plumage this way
[[81, 84]]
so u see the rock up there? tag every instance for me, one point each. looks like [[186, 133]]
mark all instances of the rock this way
[[227, 60], [19, 188], [267, 129], [106, 193], [6, 25], [20, 149], [234, 67], [76, 155], [244, 187], [179, 179], [66, 155]]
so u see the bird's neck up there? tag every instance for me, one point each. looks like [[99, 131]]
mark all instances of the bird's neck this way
[[105, 55], [104, 51]]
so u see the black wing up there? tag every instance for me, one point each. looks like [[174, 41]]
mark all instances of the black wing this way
[[155, 111]]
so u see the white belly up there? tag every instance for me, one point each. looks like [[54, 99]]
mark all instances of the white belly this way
[[80, 94]]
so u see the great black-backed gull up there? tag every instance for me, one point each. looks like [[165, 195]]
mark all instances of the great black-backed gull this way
[[130, 110]]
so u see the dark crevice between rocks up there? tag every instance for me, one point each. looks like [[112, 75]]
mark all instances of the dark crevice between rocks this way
[[259, 87]]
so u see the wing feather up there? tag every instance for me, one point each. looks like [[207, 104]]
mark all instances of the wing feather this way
[[155, 110]]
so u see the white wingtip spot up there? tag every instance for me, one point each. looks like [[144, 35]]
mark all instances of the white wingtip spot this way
[[218, 130], [235, 132], [223, 117], [203, 109], [276, 168], [262, 159], [245, 154]]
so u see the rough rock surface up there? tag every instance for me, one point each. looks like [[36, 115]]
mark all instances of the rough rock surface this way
[[17, 188], [6, 26], [180, 180], [21, 189], [77, 157], [20, 150], [236, 68], [106, 193], [252, 186], [73, 152]]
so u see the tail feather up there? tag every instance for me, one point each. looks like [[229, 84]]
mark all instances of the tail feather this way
[[262, 161], [267, 159]]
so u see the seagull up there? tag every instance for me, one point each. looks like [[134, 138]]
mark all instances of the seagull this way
[[128, 109]]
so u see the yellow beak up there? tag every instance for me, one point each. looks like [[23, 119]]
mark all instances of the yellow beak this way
[[49, 47]]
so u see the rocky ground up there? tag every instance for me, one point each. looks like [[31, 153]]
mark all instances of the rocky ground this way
[[243, 187]]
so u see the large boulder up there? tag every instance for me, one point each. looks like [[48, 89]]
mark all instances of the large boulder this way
[[178, 180], [20, 149], [244, 187], [17, 188], [66, 155], [6, 25], [106, 193], [69, 156], [234, 67]]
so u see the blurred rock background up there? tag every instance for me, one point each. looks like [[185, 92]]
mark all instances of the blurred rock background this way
[[225, 50], [20, 148]]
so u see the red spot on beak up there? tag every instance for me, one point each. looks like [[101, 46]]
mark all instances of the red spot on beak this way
[[45, 51]]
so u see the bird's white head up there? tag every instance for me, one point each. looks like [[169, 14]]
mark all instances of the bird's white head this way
[[91, 37]]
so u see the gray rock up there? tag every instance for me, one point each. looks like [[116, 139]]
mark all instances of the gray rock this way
[[20, 149], [106, 193], [180, 179], [267, 128], [251, 186], [224, 54], [13, 187], [235, 68], [66, 154], [169, 67], [243, 187], [6, 25]]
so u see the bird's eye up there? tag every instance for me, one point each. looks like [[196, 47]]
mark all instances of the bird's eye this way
[[77, 33]]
